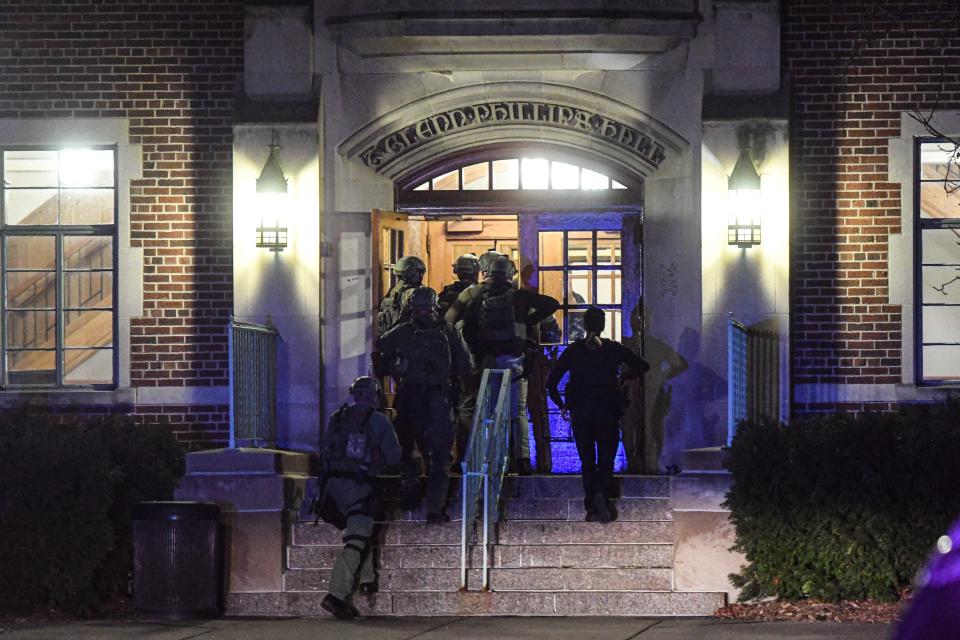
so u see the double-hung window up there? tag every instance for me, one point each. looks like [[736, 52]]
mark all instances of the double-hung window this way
[[58, 244]]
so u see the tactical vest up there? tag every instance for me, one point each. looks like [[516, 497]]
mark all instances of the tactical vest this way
[[350, 450], [427, 355], [391, 308], [497, 322]]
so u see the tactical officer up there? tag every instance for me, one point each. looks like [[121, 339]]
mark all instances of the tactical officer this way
[[496, 318], [467, 270], [393, 308], [426, 357], [593, 399], [357, 444]]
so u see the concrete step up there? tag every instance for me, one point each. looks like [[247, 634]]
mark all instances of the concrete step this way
[[628, 509], [529, 603], [506, 533], [704, 459], [529, 579], [447, 556]]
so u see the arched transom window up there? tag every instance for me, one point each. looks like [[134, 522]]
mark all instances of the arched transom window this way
[[520, 174]]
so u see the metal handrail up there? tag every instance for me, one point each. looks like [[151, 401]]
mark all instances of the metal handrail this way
[[252, 350], [484, 465]]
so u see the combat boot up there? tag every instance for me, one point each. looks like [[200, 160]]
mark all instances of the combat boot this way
[[600, 511], [340, 609]]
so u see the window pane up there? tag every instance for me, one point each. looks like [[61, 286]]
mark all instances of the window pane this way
[[88, 252], [88, 366], [31, 206], [564, 176], [580, 287], [88, 289], [30, 252], [936, 202], [608, 247], [449, 181], [941, 285], [612, 328], [941, 362], [937, 161], [579, 248], [31, 367], [31, 329], [86, 206], [617, 185], [506, 174], [86, 168], [551, 249], [30, 168], [423, 187], [551, 329], [609, 285], [31, 290], [551, 284], [594, 180], [575, 330], [88, 328], [941, 324], [476, 177], [535, 173]]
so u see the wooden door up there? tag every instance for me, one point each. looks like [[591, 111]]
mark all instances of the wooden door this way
[[390, 241]]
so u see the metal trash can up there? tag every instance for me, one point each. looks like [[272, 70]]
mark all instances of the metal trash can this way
[[177, 559]]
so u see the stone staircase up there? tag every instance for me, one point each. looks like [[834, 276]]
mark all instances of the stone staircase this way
[[546, 561]]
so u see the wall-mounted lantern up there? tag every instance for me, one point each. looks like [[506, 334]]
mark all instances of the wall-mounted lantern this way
[[743, 197], [272, 201]]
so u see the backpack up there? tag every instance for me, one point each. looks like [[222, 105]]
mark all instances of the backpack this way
[[391, 308], [428, 357], [349, 449], [497, 322]]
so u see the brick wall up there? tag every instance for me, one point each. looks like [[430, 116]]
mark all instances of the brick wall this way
[[171, 68], [855, 67]]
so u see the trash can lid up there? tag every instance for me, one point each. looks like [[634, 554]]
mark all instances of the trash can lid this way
[[176, 510]]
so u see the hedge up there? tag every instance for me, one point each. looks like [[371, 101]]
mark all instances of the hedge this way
[[843, 507], [68, 484]]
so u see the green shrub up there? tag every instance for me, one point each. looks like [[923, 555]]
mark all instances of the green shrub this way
[[839, 507], [67, 487]]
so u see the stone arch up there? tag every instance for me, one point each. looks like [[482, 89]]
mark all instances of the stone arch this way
[[408, 139]]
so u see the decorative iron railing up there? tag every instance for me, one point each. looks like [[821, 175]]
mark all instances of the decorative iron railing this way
[[753, 374], [253, 383], [484, 466]]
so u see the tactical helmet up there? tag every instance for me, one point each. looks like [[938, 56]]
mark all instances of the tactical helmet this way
[[365, 385], [487, 258], [467, 264], [409, 266], [502, 266], [423, 297]]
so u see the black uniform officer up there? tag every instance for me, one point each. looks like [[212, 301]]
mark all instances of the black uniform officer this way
[[394, 307], [496, 318], [467, 270], [426, 357], [593, 401], [357, 444]]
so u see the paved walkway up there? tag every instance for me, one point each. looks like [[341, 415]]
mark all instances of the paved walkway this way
[[475, 628]]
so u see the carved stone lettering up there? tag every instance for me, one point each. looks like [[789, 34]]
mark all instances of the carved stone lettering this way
[[384, 151]]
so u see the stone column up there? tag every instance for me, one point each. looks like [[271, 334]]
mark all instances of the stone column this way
[[259, 492]]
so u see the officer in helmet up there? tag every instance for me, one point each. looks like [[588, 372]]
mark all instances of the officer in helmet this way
[[426, 358], [467, 270], [358, 443], [409, 271], [496, 318]]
